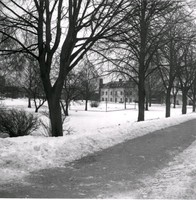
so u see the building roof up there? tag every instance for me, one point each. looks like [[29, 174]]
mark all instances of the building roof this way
[[118, 84]]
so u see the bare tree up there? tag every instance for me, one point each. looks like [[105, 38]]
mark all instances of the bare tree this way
[[170, 56], [187, 73], [72, 27], [89, 79], [141, 39], [71, 90]]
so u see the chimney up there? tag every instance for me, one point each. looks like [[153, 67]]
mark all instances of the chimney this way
[[100, 82]]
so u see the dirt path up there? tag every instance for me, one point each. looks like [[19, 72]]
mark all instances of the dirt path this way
[[117, 169]]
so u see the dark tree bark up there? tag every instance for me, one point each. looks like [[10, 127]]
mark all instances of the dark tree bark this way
[[142, 57], [150, 97], [86, 104], [168, 102], [184, 101], [55, 116], [141, 99], [174, 96], [194, 103], [194, 97], [67, 109], [147, 95], [29, 102], [147, 104]]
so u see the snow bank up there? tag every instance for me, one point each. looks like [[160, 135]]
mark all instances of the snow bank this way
[[24, 154]]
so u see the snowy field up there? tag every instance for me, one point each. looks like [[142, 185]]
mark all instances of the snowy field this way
[[93, 131]]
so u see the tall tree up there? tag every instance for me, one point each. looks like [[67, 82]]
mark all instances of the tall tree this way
[[72, 27], [170, 56], [144, 35], [187, 72]]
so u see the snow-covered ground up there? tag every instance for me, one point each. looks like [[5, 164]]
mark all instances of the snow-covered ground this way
[[92, 131]]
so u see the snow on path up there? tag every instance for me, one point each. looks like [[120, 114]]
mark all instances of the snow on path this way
[[177, 181], [24, 154]]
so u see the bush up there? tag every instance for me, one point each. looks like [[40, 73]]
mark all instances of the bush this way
[[94, 104], [17, 122]]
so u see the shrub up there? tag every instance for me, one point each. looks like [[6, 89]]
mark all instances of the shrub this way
[[17, 122], [94, 104]]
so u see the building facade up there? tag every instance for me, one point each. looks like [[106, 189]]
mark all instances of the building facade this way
[[118, 91]]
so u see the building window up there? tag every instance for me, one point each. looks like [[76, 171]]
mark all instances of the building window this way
[[106, 99], [121, 100], [102, 93], [106, 93], [111, 93], [121, 93], [115, 100], [111, 99], [102, 99]]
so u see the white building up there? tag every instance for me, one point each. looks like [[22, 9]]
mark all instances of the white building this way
[[118, 91]]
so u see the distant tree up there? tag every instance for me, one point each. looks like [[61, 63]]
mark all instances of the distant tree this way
[[175, 90], [32, 83], [89, 79], [71, 90], [28, 75]]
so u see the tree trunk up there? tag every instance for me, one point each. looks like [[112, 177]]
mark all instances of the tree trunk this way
[[142, 58], [168, 106], [125, 105], [36, 107], [141, 100], [55, 116], [147, 98], [194, 107], [146, 107], [29, 102], [36, 110], [194, 98], [194, 101], [174, 96], [67, 108], [86, 104], [150, 97], [184, 101]]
